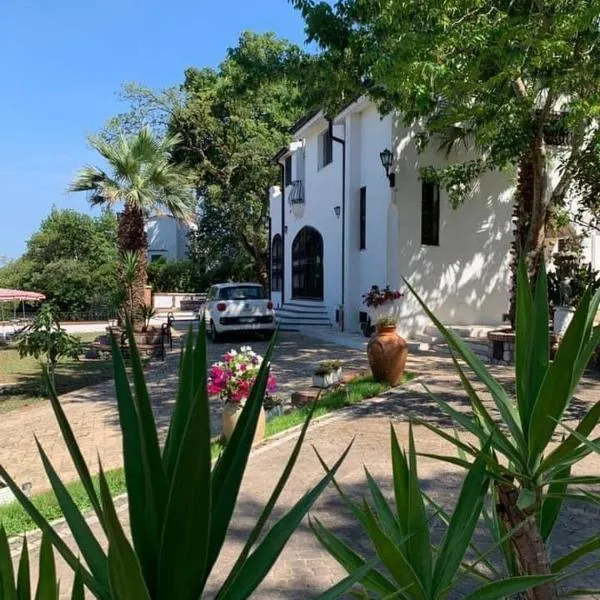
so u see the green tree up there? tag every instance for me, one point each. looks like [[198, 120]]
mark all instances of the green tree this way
[[45, 337], [142, 177], [507, 77], [231, 120], [71, 259]]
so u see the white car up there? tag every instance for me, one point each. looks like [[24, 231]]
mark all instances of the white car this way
[[236, 307]]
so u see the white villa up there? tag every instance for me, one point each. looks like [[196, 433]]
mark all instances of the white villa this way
[[167, 238], [339, 225]]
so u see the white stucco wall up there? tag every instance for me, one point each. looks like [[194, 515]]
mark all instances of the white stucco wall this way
[[166, 237], [275, 214], [322, 191], [464, 280]]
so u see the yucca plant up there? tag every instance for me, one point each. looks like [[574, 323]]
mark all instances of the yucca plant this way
[[147, 311], [531, 476], [179, 508], [47, 588], [417, 569]]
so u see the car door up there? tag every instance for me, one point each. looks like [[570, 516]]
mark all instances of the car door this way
[[210, 305]]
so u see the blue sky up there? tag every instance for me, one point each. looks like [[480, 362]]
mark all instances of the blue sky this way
[[62, 63]]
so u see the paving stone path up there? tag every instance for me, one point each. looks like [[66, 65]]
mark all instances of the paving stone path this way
[[304, 569]]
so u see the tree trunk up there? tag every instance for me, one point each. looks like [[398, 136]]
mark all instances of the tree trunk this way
[[132, 238], [527, 542], [530, 216]]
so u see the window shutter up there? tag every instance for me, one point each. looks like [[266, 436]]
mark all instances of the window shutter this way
[[430, 213], [363, 218]]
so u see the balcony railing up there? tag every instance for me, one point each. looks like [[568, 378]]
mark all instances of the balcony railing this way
[[297, 192]]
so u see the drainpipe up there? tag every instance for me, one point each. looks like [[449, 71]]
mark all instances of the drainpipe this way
[[342, 142], [282, 171]]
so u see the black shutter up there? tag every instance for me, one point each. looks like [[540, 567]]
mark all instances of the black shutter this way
[[288, 171], [430, 214], [363, 218]]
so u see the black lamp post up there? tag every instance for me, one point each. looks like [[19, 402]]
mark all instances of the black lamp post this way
[[387, 159]]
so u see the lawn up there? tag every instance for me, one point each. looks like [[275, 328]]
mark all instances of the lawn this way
[[24, 373], [15, 520]]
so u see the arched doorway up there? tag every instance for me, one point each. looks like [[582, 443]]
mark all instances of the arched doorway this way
[[307, 265]]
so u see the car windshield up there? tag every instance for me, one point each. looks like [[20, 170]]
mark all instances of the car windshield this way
[[243, 292]]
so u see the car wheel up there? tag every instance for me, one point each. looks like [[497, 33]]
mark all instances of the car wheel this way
[[215, 336]]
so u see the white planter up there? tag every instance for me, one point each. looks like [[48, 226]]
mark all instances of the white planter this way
[[563, 315], [327, 380]]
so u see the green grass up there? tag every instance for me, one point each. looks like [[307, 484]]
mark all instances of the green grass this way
[[353, 393], [15, 518], [25, 373]]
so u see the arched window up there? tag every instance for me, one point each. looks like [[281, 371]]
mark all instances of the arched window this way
[[307, 265], [276, 264]]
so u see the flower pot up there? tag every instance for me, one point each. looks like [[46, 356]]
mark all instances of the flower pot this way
[[563, 315], [387, 352], [326, 380], [275, 411], [231, 414]]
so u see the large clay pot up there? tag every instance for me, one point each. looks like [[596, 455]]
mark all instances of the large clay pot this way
[[231, 414], [387, 352]]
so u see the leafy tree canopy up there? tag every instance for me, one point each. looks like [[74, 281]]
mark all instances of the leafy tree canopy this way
[[71, 259], [231, 121], [501, 74]]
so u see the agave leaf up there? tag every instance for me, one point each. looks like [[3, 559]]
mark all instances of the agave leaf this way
[[588, 349], [187, 518], [552, 504], [590, 545], [7, 574], [418, 544], [144, 532], [266, 513], [585, 427], [386, 517], [124, 570], [372, 580], [73, 448], [153, 465], [183, 405], [400, 480], [445, 518], [555, 391], [395, 561], [264, 556], [47, 588], [509, 413], [508, 587], [78, 592], [339, 589], [56, 540], [23, 582], [86, 542], [229, 470], [499, 441], [462, 525]]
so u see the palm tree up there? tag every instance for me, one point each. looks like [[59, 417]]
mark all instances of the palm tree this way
[[141, 175]]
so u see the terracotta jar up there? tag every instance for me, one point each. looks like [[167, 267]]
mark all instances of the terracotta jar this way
[[387, 352], [231, 414]]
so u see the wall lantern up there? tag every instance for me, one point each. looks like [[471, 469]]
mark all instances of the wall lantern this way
[[387, 159], [337, 210]]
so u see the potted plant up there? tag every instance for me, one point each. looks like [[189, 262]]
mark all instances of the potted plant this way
[[273, 406], [327, 373], [387, 351], [231, 379], [567, 283]]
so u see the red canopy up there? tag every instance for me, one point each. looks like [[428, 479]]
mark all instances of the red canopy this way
[[7, 295]]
